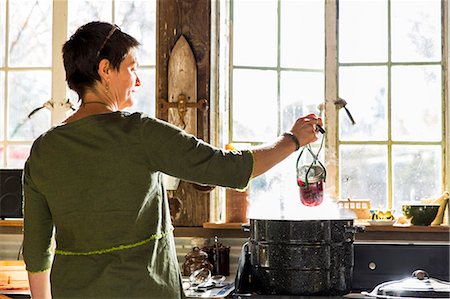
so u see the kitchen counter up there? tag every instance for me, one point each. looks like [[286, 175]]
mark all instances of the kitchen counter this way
[[413, 233], [13, 280]]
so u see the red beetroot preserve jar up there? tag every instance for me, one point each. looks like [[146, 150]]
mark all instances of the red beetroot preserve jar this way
[[310, 179]]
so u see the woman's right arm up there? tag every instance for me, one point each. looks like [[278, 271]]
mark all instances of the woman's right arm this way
[[40, 285], [267, 156], [38, 229]]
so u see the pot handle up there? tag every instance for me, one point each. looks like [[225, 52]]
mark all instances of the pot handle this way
[[360, 229], [355, 229], [246, 227], [420, 275], [351, 231]]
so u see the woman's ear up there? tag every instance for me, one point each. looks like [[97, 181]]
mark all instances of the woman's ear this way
[[104, 69]]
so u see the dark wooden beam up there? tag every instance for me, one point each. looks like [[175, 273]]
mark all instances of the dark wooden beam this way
[[191, 18]]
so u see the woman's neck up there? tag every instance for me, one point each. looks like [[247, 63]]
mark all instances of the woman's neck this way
[[91, 106]]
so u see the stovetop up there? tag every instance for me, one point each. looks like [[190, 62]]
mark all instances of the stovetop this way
[[355, 295]]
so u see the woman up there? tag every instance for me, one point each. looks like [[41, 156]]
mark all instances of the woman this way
[[96, 180]]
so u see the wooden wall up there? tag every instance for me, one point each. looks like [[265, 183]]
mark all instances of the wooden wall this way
[[191, 18]]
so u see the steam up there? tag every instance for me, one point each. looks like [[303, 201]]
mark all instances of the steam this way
[[286, 205]]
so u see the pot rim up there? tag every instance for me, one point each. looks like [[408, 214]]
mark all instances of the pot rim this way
[[421, 205], [303, 220]]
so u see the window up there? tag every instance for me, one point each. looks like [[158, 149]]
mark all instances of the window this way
[[384, 58], [31, 36], [391, 69]]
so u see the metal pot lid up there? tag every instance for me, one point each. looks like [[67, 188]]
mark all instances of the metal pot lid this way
[[315, 173], [419, 285]]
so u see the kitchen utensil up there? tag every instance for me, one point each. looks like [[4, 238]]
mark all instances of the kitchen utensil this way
[[200, 276], [341, 103], [419, 285], [219, 257], [420, 214], [218, 280], [305, 257], [195, 260], [310, 178], [442, 201]]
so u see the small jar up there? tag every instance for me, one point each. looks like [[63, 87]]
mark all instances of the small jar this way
[[219, 256], [195, 260], [310, 179]]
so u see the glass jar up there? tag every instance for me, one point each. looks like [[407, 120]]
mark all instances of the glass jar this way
[[310, 179]]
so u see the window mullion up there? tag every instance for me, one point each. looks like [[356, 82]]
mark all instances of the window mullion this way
[[279, 116], [331, 93], [60, 20], [446, 102], [4, 140]]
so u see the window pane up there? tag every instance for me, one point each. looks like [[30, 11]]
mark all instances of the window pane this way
[[28, 90], [363, 173], [416, 103], [137, 18], [81, 12], [417, 172], [2, 32], [416, 30], [365, 90], [30, 33], [272, 192], [17, 155], [301, 93], [254, 105], [363, 31], [302, 34], [255, 33], [144, 98]]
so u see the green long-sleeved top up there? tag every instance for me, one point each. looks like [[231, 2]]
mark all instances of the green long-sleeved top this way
[[97, 183]]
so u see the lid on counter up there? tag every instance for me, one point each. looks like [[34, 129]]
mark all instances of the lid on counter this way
[[419, 285]]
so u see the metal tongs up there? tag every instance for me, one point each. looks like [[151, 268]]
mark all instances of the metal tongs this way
[[341, 103]]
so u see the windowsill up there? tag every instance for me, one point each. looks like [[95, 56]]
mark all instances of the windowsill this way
[[413, 233]]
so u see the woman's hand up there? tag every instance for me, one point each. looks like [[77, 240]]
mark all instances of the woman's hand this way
[[305, 128], [267, 156]]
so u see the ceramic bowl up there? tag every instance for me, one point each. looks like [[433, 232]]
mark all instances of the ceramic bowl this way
[[420, 214]]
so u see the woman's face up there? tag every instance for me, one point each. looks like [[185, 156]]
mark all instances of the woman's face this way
[[123, 82]]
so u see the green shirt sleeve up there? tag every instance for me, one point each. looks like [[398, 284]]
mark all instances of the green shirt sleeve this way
[[174, 152], [38, 227]]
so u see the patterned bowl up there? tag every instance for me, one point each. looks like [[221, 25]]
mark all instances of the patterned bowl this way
[[420, 214]]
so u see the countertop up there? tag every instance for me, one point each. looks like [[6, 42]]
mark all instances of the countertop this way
[[440, 233]]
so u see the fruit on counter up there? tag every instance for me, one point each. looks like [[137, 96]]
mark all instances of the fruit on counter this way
[[382, 215], [402, 220], [442, 201]]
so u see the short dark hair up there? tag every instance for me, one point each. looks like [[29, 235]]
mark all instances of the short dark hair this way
[[90, 44]]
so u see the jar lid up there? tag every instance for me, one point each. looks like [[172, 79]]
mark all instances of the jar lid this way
[[419, 285], [315, 174]]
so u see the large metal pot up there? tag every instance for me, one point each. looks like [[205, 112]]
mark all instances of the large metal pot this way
[[306, 257]]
